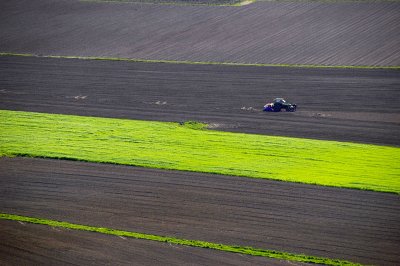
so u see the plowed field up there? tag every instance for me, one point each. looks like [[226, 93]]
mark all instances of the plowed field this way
[[356, 105], [27, 244], [340, 33], [359, 226]]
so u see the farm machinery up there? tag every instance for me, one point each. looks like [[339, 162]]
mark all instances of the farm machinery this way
[[278, 104]]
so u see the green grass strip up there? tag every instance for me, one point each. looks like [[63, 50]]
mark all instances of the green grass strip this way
[[198, 62], [185, 242], [190, 147]]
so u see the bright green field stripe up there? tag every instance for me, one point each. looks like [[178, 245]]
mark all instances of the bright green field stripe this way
[[197, 63], [178, 241], [189, 148]]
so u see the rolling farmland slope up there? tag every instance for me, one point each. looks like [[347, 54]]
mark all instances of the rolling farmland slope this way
[[343, 33], [359, 226], [358, 105], [353, 104]]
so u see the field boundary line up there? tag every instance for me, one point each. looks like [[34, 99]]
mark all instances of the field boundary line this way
[[237, 4], [179, 241], [172, 3], [138, 60]]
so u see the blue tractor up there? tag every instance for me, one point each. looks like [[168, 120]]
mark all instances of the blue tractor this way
[[278, 104]]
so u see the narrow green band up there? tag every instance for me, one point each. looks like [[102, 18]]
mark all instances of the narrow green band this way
[[172, 3], [198, 62], [192, 243]]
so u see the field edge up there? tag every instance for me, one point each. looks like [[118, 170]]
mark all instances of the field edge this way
[[179, 241], [172, 3], [139, 60]]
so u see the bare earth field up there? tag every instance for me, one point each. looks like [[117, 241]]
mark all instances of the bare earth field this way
[[338, 104], [360, 226], [304, 32], [29, 244], [357, 105]]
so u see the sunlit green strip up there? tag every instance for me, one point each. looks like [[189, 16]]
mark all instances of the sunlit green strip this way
[[192, 243], [189, 147], [198, 62]]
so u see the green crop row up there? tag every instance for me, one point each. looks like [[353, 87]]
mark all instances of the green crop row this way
[[192, 243], [190, 147], [395, 67], [179, 2]]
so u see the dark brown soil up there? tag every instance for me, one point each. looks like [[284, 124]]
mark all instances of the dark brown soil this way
[[276, 32], [355, 105], [360, 226], [28, 244]]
